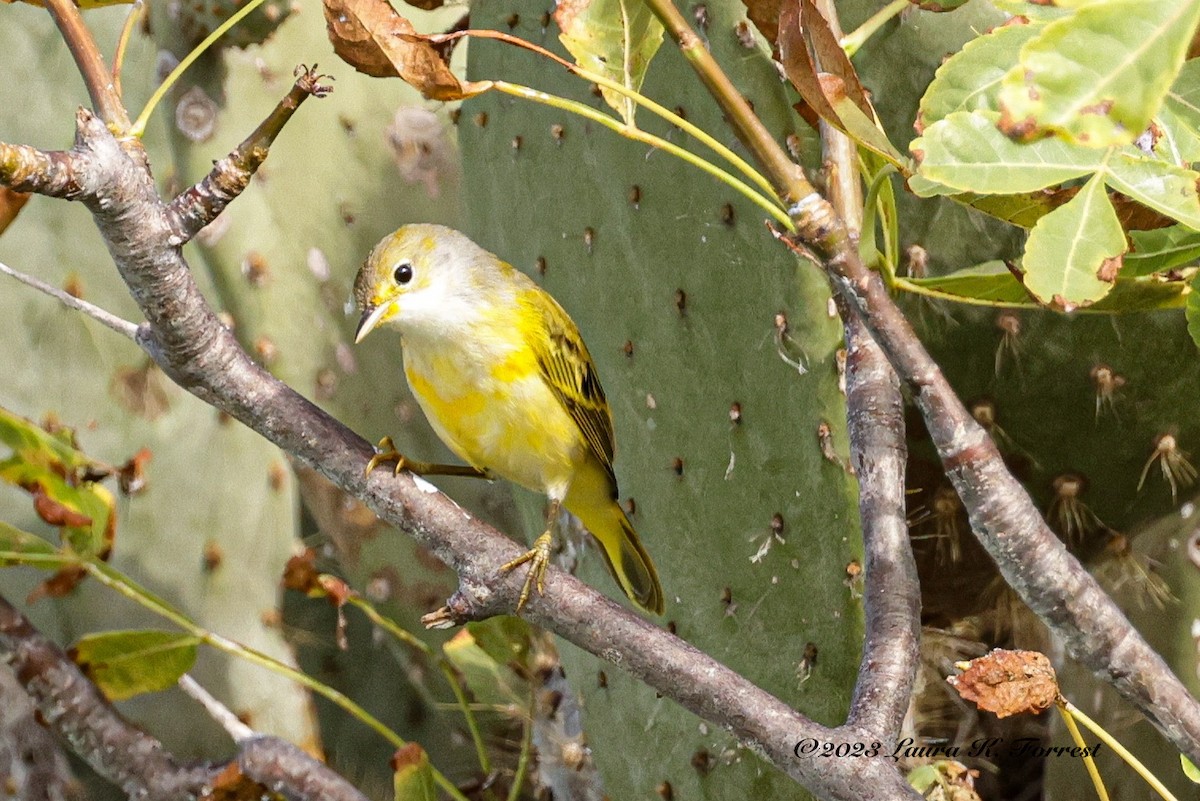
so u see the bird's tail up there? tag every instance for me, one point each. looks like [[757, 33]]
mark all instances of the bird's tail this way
[[627, 560]]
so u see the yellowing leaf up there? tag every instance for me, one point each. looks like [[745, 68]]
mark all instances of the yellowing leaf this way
[[615, 38], [1099, 76], [128, 663], [1073, 254], [412, 777]]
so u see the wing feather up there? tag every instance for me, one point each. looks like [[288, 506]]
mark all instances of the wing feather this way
[[570, 372]]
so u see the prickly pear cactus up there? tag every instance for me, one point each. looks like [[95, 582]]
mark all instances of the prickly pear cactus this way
[[702, 329]]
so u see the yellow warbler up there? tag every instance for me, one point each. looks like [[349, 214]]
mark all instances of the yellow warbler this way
[[503, 375]]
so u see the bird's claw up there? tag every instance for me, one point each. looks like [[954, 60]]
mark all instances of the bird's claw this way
[[539, 558], [386, 451]]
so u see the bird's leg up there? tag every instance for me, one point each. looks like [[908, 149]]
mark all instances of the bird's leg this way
[[386, 451], [538, 556]]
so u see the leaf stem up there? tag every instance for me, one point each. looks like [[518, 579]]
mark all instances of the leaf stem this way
[[786, 177], [139, 127], [1095, 728], [856, 39], [637, 97], [1088, 761], [135, 14], [639, 135], [105, 99]]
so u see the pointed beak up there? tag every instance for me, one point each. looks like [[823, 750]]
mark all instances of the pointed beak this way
[[370, 319]]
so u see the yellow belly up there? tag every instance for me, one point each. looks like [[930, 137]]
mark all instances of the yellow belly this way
[[489, 404]]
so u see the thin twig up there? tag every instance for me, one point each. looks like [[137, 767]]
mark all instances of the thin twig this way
[[199, 205], [99, 81], [216, 710], [122, 326]]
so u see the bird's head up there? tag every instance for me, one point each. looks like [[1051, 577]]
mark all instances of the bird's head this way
[[424, 278]]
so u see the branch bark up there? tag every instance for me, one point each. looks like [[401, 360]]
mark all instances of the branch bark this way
[[75, 708]]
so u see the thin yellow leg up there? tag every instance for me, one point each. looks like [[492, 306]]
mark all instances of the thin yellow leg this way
[[386, 452], [538, 556]]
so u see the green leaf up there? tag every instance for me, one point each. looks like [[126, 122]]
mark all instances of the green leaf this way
[[1099, 76], [970, 79], [991, 282], [19, 547], [1071, 248], [128, 663], [1178, 138], [491, 681], [1160, 250], [966, 152], [616, 38], [412, 779], [34, 444], [1189, 769], [1163, 187], [505, 639], [1181, 109], [1037, 12]]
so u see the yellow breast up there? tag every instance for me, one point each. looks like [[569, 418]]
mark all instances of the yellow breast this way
[[485, 397]]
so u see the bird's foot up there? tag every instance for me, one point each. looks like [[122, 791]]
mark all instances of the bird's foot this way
[[539, 557]]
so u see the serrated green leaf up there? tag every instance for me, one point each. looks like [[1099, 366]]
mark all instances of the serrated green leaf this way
[[1167, 189], [34, 444], [1069, 247], [970, 79], [412, 779], [966, 152], [1183, 99], [616, 38], [1160, 250], [1099, 76], [128, 663]]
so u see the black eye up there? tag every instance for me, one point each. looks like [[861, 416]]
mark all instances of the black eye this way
[[404, 273]]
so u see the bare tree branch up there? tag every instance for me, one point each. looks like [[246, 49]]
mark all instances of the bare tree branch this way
[[51, 173], [199, 205]]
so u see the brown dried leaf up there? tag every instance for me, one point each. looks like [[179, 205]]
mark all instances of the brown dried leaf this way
[[57, 514], [59, 585], [765, 16], [798, 64], [1009, 682], [371, 37], [829, 55], [300, 573], [10, 203]]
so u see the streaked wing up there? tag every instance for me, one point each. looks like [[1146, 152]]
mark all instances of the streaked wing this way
[[569, 371]]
